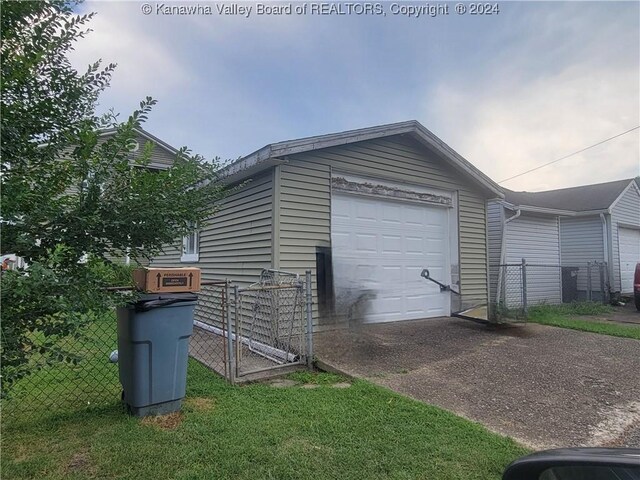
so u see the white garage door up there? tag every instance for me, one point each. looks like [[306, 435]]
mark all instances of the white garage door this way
[[379, 248], [629, 242]]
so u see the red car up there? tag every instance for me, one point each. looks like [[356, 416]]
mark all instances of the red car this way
[[636, 286]]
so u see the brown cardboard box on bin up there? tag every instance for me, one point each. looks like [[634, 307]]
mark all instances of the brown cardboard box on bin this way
[[164, 280]]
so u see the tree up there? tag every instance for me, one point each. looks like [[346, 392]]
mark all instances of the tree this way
[[67, 193]]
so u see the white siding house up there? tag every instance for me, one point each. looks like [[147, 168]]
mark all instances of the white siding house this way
[[568, 228], [625, 238]]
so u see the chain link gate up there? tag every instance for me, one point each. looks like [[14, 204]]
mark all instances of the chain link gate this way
[[257, 331], [523, 285], [272, 325]]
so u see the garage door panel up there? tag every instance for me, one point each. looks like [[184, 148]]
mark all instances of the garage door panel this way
[[390, 273], [629, 248], [391, 244], [414, 216], [416, 304], [414, 245], [340, 240], [366, 243], [391, 214], [380, 247]]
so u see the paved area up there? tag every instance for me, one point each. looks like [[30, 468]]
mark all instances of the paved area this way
[[628, 314], [544, 386]]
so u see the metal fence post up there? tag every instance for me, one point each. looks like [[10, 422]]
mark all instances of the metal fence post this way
[[524, 286], [589, 287], [230, 350], [603, 283], [307, 286]]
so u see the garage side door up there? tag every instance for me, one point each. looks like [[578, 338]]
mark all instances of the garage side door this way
[[629, 242], [379, 248]]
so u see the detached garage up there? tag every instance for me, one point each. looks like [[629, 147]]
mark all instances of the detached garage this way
[[366, 210]]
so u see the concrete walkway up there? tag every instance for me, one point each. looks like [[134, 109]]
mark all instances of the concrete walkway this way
[[544, 386]]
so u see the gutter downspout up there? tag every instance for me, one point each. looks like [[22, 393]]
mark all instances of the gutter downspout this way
[[503, 252], [605, 244]]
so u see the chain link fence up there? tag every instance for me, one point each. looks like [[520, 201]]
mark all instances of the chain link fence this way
[[209, 343], [87, 379], [242, 334], [522, 285]]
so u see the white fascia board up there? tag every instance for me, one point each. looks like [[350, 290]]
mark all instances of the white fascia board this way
[[587, 213], [302, 145], [344, 138], [247, 162], [551, 211]]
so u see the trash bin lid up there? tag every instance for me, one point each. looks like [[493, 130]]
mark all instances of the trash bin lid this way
[[150, 301]]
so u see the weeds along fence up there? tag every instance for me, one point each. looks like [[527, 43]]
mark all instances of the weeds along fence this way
[[243, 334], [523, 285]]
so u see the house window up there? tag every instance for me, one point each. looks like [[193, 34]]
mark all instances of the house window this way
[[190, 247]]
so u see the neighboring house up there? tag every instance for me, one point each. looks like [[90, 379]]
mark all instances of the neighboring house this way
[[366, 210], [162, 157], [567, 227]]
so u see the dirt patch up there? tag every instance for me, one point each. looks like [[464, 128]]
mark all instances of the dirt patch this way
[[200, 404], [617, 424], [297, 444], [164, 422], [80, 462], [22, 453], [283, 383], [341, 385]]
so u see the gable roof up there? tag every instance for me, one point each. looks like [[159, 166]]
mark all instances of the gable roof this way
[[274, 153], [599, 196], [143, 133]]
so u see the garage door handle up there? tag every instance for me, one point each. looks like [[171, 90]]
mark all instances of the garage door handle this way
[[443, 287]]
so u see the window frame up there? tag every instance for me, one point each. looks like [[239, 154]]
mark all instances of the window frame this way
[[191, 257]]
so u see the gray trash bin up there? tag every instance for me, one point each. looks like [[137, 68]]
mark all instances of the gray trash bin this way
[[153, 350]]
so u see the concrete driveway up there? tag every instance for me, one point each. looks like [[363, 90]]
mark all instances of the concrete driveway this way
[[544, 386], [627, 313]]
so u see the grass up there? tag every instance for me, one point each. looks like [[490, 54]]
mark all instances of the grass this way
[[258, 432], [95, 379], [569, 316]]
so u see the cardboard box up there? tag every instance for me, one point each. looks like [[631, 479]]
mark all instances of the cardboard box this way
[[164, 280]]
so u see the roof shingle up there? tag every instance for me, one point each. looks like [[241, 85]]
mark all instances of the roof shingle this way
[[579, 199]]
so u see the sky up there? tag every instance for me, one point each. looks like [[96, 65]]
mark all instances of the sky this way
[[509, 91]]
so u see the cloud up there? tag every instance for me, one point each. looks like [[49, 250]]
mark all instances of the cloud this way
[[584, 90], [509, 92], [146, 63]]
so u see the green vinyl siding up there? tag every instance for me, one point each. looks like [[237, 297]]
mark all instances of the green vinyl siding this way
[[236, 242], [305, 202]]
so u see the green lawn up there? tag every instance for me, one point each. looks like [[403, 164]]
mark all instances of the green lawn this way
[[259, 432], [575, 316]]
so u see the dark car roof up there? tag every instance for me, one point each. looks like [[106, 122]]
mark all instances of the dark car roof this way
[[580, 199]]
